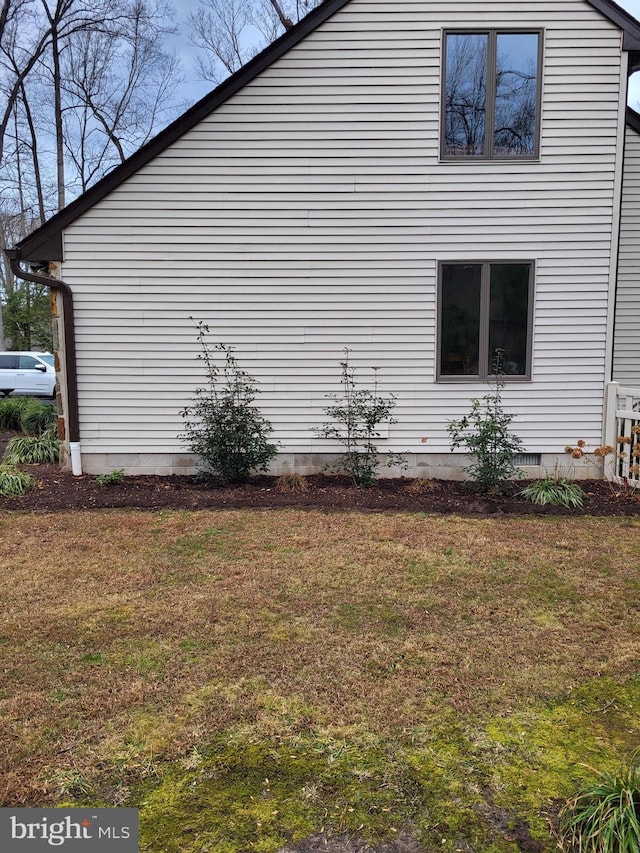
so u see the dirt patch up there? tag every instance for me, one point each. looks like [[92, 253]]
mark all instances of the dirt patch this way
[[509, 826]]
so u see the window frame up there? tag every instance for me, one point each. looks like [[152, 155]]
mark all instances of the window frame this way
[[484, 374], [490, 103]]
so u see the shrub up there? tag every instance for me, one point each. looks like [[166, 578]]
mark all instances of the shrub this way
[[11, 409], [113, 478], [485, 433], [13, 482], [605, 818], [27, 414], [356, 417], [32, 449], [37, 417], [222, 427], [554, 491]]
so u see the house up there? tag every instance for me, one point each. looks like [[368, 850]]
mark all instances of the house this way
[[626, 352], [420, 183]]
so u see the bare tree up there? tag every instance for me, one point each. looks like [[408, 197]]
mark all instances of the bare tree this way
[[23, 40], [129, 33], [114, 92], [83, 83], [230, 32]]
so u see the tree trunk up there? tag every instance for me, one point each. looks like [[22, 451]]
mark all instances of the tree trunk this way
[[57, 112], [286, 22]]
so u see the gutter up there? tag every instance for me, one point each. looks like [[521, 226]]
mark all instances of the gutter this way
[[69, 336]]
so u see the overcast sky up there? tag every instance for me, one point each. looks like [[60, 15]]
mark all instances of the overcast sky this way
[[195, 88]]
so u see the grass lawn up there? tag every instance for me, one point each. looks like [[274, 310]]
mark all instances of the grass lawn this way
[[250, 678]]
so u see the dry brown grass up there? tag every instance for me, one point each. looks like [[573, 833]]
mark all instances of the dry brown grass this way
[[292, 483], [420, 485], [129, 636]]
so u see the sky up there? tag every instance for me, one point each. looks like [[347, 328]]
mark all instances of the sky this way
[[633, 6], [193, 89]]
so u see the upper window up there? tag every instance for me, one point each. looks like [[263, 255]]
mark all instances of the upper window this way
[[484, 309], [491, 89]]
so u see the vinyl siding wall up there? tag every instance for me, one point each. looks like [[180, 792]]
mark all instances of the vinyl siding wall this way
[[626, 361], [309, 213]]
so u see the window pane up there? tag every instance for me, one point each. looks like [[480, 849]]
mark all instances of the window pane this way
[[516, 94], [27, 362], [460, 319], [508, 317], [465, 93]]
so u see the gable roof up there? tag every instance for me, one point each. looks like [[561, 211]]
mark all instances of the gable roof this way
[[45, 243]]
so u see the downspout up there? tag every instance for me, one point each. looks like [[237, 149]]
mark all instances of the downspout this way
[[69, 337]]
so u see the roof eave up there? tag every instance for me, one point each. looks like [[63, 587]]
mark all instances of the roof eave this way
[[619, 16], [45, 243]]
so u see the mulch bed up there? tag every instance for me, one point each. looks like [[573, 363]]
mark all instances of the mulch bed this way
[[59, 491]]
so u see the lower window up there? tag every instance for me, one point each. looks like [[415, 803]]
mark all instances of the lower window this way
[[485, 314]]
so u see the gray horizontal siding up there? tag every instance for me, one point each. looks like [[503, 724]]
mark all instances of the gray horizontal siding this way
[[626, 361], [309, 213]]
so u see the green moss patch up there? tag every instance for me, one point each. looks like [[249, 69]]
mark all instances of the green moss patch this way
[[459, 782]]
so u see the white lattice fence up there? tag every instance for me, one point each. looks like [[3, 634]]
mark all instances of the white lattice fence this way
[[627, 436]]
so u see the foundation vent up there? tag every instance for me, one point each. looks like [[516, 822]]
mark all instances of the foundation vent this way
[[527, 460]]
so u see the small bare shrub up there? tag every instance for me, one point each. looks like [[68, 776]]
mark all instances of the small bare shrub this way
[[291, 483], [420, 485], [356, 416]]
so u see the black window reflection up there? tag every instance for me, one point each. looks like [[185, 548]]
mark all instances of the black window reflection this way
[[460, 319], [485, 308], [509, 317]]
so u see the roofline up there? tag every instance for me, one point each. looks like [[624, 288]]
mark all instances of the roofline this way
[[633, 119], [45, 243], [627, 23]]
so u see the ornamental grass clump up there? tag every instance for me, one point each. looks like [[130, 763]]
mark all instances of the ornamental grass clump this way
[[554, 491], [11, 411], [37, 417], [13, 482], [33, 449], [222, 426], [606, 817]]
